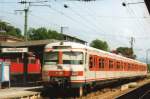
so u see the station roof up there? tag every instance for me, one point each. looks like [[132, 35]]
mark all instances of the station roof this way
[[27, 43]]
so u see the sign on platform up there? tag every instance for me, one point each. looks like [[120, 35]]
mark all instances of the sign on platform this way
[[4, 72], [14, 50]]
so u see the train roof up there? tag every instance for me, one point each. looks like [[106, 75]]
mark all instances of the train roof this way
[[81, 46]]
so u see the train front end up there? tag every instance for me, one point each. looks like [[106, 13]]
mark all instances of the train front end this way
[[63, 65]]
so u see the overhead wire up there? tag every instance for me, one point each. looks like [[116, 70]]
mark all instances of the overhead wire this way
[[94, 18], [45, 20], [72, 19], [132, 13], [53, 9], [139, 20], [67, 15], [88, 23], [105, 34], [139, 23], [4, 2], [84, 20]]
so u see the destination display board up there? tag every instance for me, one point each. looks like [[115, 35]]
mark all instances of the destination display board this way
[[14, 50]]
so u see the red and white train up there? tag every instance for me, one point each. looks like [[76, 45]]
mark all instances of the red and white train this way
[[75, 65]]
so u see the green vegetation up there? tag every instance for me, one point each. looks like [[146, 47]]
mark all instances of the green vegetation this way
[[127, 52], [43, 33], [34, 34], [7, 29], [99, 44], [148, 67]]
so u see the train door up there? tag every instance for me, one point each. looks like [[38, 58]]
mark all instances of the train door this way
[[89, 63]]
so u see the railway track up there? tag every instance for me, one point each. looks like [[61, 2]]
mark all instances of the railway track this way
[[117, 93], [105, 92], [139, 93]]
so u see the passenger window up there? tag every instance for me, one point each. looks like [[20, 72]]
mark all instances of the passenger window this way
[[101, 63], [110, 64], [118, 65], [129, 67]]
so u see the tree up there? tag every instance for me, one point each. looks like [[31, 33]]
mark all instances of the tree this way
[[42, 33], [9, 29], [127, 52], [148, 67], [99, 44]]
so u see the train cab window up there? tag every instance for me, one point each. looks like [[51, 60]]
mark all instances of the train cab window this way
[[101, 63], [51, 58], [71, 57]]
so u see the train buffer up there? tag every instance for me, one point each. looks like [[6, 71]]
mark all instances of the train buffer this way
[[20, 93]]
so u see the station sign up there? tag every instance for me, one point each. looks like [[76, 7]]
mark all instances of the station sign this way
[[14, 50]]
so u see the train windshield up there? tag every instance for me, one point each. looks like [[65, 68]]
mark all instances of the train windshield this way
[[51, 58], [68, 57], [72, 58]]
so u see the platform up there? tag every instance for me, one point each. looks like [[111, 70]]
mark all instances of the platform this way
[[20, 92]]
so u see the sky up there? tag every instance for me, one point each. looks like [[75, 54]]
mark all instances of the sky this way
[[107, 20]]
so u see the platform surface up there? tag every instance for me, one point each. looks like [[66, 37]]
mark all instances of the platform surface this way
[[18, 92]]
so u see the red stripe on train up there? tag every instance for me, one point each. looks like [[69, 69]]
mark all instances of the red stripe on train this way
[[65, 73]]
